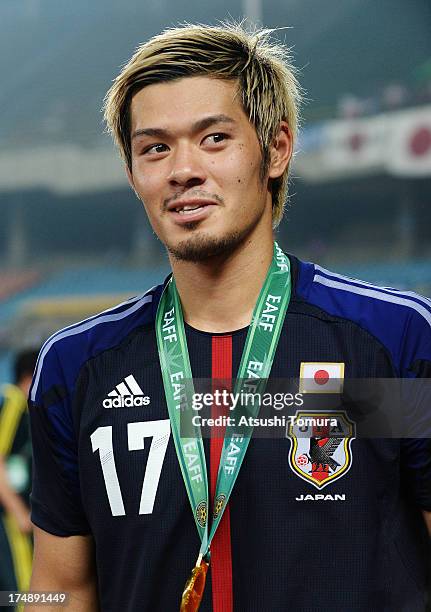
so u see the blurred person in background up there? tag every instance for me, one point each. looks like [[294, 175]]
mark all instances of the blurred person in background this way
[[15, 478], [206, 119]]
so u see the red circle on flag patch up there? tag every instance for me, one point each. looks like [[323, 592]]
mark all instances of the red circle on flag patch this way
[[420, 143], [321, 377]]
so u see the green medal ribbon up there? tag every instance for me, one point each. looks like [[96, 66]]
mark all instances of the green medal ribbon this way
[[254, 370]]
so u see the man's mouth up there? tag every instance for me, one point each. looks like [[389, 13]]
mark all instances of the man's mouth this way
[[185, 205], [189, 209]]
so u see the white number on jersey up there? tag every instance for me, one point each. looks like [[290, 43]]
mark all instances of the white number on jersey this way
[[101, 440]]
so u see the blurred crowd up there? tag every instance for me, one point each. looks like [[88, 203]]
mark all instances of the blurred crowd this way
[[393, 96], [15, 477]]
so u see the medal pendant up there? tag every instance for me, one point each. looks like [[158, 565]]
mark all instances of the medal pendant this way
[[194, 589]]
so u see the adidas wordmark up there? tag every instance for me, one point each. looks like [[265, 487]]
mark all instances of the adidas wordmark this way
[[126, 395]]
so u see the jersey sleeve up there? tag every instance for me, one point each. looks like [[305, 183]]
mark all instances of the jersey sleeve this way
[[56, 504], [416, 446]]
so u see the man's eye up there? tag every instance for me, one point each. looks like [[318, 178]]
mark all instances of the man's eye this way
[[216, 138], [156, 148]]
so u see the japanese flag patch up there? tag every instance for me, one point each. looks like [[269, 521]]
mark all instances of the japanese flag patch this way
[[321, 377]]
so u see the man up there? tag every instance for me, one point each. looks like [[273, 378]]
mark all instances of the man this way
[[206, 118], [15, 462]]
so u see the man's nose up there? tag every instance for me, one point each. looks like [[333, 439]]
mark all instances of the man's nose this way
[[186, 169]]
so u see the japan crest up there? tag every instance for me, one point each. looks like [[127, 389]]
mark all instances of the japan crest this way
[[320, 446]]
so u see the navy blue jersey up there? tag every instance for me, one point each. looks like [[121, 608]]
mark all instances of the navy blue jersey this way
[[344, 533]]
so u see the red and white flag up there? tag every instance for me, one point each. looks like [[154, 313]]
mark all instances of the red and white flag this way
[[409, 147], [321, 377]]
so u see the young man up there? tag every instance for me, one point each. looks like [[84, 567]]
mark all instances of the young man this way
[[206, 119], [15, 468]]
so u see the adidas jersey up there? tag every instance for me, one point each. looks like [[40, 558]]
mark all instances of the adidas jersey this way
[[105, 462]]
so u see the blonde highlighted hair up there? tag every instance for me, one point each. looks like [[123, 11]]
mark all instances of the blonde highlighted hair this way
[[267, 85]]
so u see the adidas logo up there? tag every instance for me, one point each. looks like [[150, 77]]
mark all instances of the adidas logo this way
[[126, 395]]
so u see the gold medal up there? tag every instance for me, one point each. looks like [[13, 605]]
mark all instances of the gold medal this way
[[195, 585]]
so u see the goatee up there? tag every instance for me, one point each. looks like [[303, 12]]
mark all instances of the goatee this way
[[203, 246]]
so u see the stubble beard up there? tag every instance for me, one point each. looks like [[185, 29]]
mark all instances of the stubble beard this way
[[202, 246]]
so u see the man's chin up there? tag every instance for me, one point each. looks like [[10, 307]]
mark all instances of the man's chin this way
[[203, 247]]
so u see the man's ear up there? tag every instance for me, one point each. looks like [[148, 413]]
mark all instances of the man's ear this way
[[280, 151]]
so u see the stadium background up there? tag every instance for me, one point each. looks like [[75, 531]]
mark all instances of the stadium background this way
[[73, 237]]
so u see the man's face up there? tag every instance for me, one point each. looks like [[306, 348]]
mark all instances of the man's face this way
[[196, 165]]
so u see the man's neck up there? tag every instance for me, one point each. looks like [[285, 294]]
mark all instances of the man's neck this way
[[219, 295]]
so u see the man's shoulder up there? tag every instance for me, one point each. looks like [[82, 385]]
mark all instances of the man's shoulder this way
[[64, 353], [399, 319]]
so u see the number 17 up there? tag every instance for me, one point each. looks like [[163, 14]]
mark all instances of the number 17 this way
[[101, 440]]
